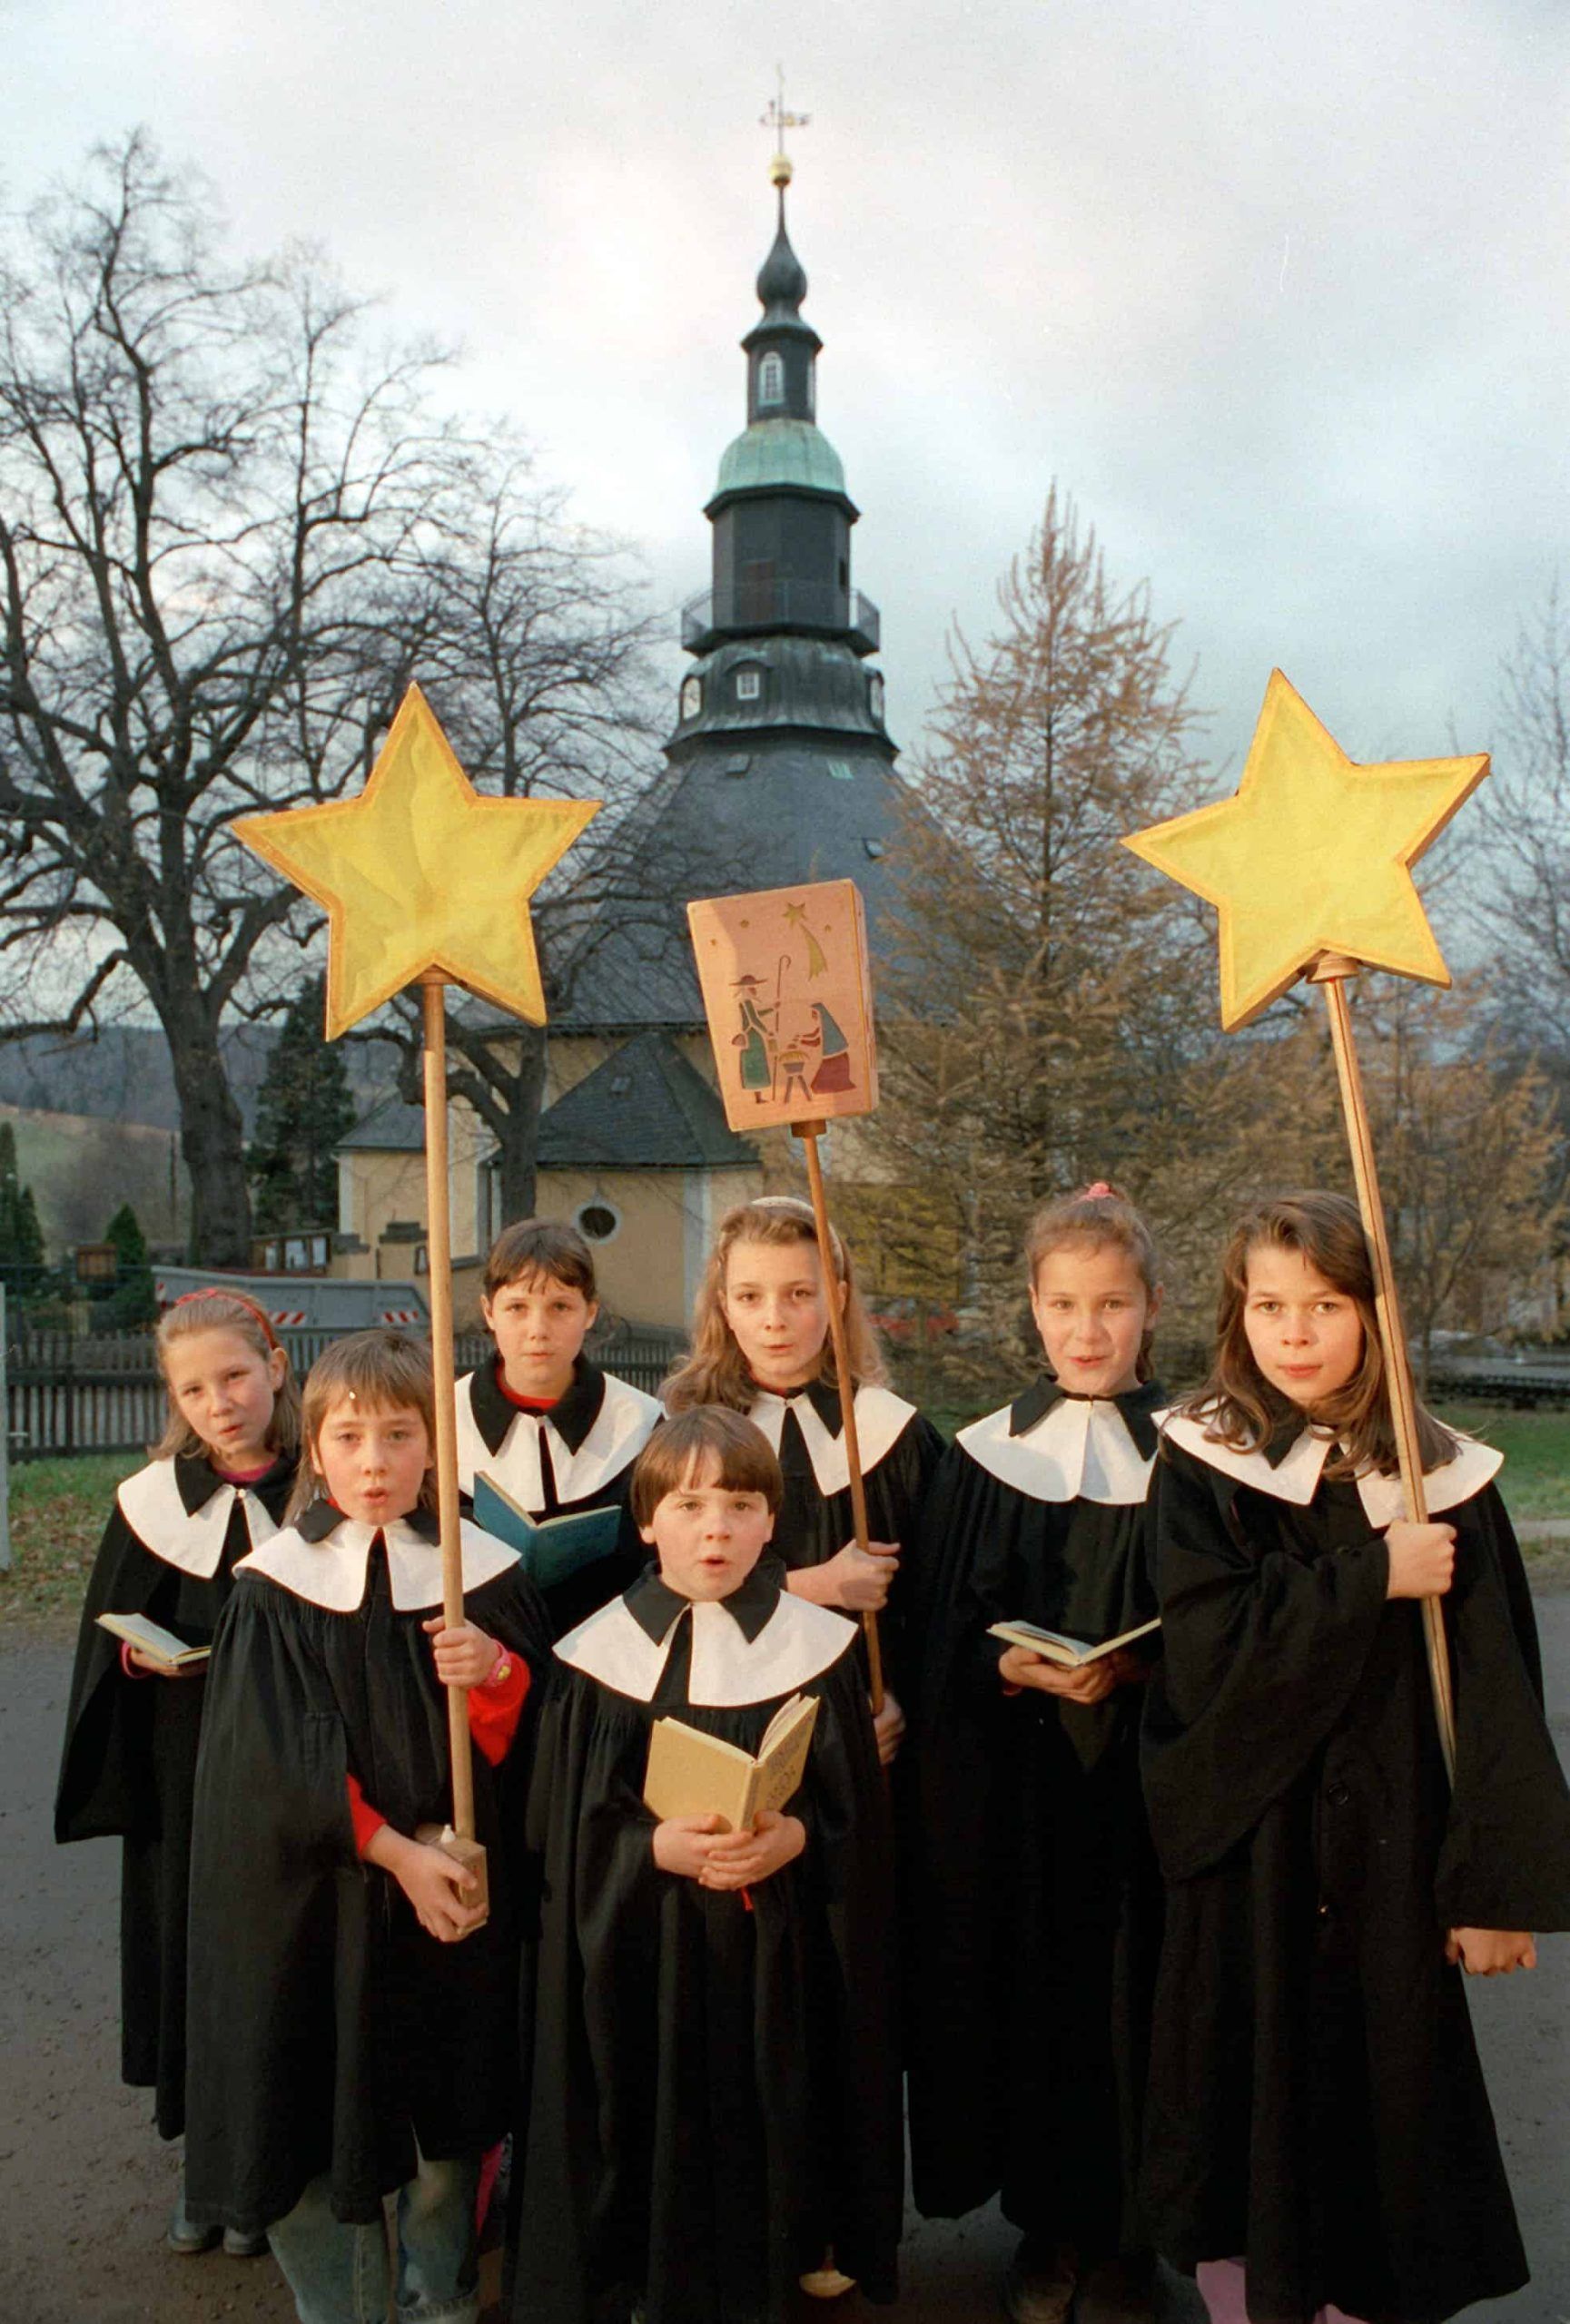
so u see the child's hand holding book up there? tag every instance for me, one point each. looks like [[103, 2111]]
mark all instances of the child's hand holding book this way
[[1092, 1683], [741, 1859]]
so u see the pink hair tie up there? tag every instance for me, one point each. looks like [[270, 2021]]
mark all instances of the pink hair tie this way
[[218, 1291], [1100, 1192]]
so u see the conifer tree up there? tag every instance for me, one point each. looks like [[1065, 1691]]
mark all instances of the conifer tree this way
[[303, 1110], [134, 1299], [20, 1233]]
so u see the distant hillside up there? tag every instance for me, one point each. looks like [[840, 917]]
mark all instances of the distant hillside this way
[[124, 1075]]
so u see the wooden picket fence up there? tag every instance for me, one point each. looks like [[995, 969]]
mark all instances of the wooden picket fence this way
[[68, 1393]]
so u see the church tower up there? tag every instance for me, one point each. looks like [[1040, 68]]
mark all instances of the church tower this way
[[781, 696], [780, 769]]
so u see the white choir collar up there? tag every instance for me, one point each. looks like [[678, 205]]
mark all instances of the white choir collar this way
[[882, 1419], [330, 1570], [1295, 1478], [153, 1507], [1080, 1450], [799, 1641], [622, 1426]]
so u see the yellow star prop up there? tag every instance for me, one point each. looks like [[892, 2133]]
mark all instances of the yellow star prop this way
[[422, 873], [1312, 854]]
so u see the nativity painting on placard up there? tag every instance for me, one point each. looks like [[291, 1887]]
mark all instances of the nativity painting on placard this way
[[788, 991]]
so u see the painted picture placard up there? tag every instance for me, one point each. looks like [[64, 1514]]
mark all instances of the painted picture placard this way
[[788, 991]]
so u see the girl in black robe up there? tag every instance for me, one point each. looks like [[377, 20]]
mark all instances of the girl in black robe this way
[[761, 1346], [1317, 2110], [1033, 1904], [344, 2044], [708, 2017], [213, 1491], [556, 1433]]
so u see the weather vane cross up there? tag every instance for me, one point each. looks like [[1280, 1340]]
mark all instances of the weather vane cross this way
[[775, 117]]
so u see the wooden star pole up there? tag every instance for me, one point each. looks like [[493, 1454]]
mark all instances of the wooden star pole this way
[[427, 881], [1309, 868], [1332, 973]]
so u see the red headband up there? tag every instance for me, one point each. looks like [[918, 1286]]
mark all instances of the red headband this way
[[218, 1291]]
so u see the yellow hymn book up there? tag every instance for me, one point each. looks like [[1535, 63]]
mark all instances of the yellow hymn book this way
[[158, 1645], [694, 1774], [1069, 1653]]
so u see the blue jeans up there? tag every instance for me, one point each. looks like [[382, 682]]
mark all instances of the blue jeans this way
[[340, 2275]]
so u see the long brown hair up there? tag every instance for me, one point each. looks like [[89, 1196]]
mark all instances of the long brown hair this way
[[383, 1371], [1240, 1405], [715, 1373], [1099, 1217], [225, 1311]]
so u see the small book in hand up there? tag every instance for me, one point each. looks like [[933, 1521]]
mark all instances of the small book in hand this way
[[158, 1645], [1069, 1653], [694, 1774], [552, 1548]]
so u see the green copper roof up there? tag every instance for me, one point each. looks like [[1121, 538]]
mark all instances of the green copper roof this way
[[781, 451]]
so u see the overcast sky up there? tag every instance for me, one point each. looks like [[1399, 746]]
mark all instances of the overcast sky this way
[[1276, 288]]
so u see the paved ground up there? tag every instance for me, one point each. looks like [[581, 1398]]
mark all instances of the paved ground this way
[[85, 2183]]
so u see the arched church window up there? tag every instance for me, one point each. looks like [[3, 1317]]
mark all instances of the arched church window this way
[[771, 379], [691, 697], [875, 693]]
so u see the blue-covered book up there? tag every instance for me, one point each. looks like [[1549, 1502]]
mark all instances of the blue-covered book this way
[[552, 1548]]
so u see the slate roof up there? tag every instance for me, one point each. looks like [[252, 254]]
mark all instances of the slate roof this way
[[391, 1127], [796, 812], [646, 1107]]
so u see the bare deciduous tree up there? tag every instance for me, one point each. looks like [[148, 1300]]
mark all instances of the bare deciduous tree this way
[[231, 530]]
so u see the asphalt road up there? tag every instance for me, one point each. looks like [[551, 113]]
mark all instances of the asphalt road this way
[[85, 2183]]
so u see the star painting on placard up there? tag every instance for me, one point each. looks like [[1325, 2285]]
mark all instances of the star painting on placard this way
[[1312, 854], [421, 871]]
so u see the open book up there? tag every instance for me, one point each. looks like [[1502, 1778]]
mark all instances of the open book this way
[[158, 1645], [552, 1548], [1071, 1653], [694, 1774]]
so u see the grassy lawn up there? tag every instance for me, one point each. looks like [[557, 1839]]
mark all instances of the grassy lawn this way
[[58, 1507], [58, 1510]]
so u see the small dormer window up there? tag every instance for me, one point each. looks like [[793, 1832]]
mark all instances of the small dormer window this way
[[875, 693], [749, 686], [771, 379], [691, 697]]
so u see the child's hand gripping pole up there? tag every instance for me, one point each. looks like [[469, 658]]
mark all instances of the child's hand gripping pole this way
[[457, 1840], [1332, 970], [808, 1132]]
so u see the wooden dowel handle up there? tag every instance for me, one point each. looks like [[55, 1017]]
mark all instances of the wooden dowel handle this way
[[809, 1132], [1332, 973], [438, 1248]]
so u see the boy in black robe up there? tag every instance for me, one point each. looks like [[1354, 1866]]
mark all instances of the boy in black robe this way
[[344, 2043], [541, 1420], [708, 2016]]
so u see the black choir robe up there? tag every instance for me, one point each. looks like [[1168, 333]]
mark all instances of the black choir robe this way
[[1317, 2105], [715, 2089], [900, 1451], [1034, 1905], [169, 1551], [329, 2031], [579, 1455]]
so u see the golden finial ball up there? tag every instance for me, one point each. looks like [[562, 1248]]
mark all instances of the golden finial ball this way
[[779, 170]]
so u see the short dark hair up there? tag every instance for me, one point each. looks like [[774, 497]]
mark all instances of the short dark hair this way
[[540, 1247], [679, 1450]]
